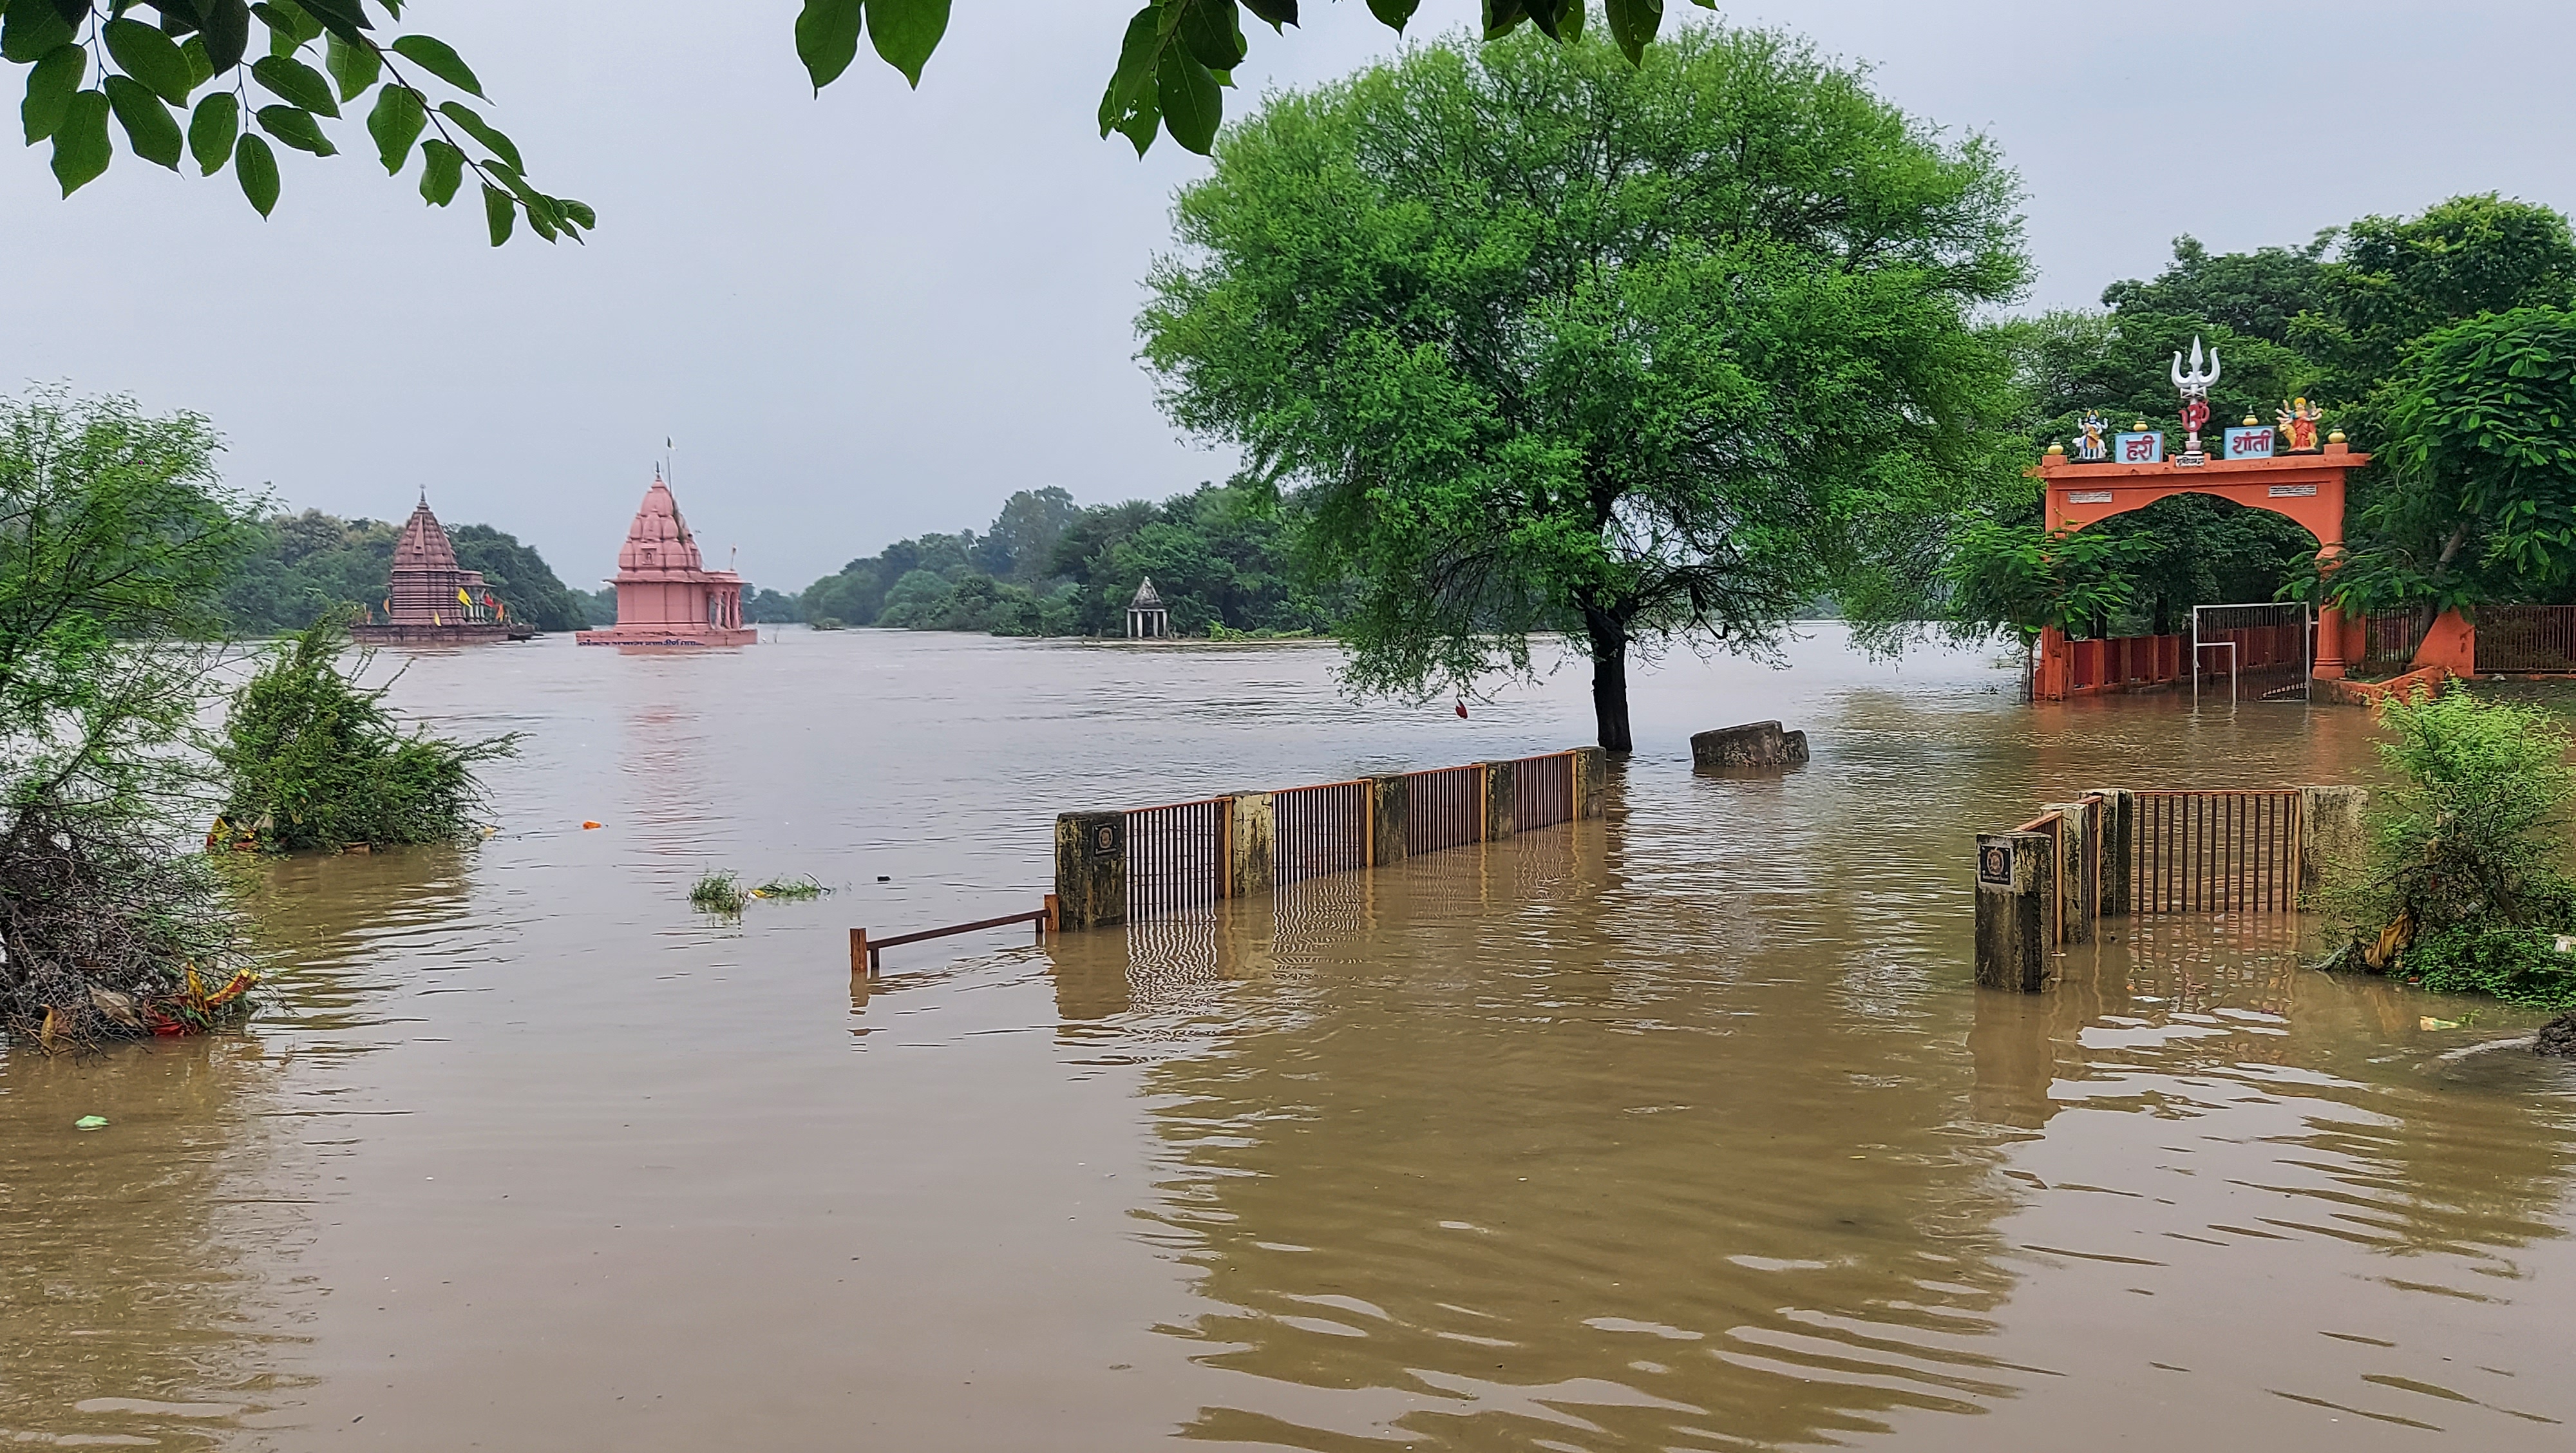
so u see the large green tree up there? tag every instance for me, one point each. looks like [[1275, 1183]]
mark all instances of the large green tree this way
[[157, 62], [1544, 340]]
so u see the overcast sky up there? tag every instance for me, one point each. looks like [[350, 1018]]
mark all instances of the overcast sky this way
[[879, 313]]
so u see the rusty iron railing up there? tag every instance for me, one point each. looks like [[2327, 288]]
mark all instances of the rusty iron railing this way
[[2537, 638], [1321, 829], [1444, 808], [1543, 790], [2215, 852], [865, 953], [1177, 854]]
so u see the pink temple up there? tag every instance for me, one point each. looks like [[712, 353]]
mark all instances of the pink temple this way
[[665, 594]]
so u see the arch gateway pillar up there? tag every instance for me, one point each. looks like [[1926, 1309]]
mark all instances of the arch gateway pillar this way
[[2308, 488]]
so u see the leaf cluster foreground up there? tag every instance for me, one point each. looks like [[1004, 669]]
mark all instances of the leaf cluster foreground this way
[[317, 761], [2466, 886]]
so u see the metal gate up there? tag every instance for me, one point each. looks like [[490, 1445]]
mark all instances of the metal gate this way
[[2214, 852], [2267, 648]]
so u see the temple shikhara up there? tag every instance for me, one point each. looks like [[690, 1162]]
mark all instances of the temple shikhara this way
[[665, 594], [431, 601]]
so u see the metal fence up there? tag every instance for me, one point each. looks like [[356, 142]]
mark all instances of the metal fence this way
[[1320, 830], [2527, 638], [1543, 790], [2389, 640], [1177, 854], [1444, 808], [2214, 852], [2262, 650]]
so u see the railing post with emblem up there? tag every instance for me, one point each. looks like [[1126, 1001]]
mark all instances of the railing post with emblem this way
[[1090, 868], [2013, 931]]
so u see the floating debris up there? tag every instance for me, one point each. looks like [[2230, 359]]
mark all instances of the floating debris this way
[[588, 825], [794, 890], [718, 893], [90, 1122]]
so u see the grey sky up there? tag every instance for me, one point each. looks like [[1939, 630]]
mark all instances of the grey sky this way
[[878, 313]]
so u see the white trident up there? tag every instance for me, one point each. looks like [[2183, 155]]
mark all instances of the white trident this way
[[2195, 398]]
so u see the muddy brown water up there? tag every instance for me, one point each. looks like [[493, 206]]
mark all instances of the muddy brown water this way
[[1683, 1129]]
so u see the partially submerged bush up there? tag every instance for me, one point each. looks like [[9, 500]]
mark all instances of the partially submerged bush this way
[[316, 761], [718, 893], [116, 536], [2466, 885], [794, 890]]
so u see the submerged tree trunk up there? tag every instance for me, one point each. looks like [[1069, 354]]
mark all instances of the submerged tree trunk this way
[[1610, 679]]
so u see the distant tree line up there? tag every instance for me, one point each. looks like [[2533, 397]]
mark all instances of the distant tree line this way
[[301, 567], [1049, 567]]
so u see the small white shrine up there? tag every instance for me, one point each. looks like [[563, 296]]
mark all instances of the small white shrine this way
[[1146, 618]]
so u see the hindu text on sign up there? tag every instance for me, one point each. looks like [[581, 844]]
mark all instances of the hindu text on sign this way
[[2147, 448], [2251, 442]]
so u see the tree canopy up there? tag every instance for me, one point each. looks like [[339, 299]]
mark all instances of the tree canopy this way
[[1537, 339], [198, 58], [301, 567]]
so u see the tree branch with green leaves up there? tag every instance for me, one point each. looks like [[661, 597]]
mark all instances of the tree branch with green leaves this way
[[1175, 61], [195, 57]]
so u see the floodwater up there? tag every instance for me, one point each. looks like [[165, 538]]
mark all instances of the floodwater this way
[[1684, 1129]]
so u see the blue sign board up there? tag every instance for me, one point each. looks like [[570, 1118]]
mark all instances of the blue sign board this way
[[2252, 442], [2147, 448]]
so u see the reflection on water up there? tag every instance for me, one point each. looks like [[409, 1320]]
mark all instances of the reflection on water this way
[[1679, 1129]]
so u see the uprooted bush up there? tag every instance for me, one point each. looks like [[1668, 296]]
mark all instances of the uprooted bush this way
[[2466, 887], [313, 760], [108, 934]]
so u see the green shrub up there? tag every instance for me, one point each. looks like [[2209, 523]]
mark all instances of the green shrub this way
[[316, 761], [2466, 883], [716, 892]]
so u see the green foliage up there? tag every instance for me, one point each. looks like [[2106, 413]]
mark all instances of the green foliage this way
[[2399, 280], [309, 565], [202, 48], [313, 760], [2481, 503], [2467, 871], [1537, 339], [2023, 579], [793, 890], [2517, 965], [1048, 567], [115, 534], [1174, 65], [718, 892]]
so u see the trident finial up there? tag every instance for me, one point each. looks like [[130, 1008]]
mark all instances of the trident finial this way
[[2195, 384]]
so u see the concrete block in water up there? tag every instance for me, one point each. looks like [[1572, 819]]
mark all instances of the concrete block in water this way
[[1255, 826], [2015, 871], [1502, 792], [1390, 804], [1591, 780], [1091, 868], [2332, 836], [1755, 744]]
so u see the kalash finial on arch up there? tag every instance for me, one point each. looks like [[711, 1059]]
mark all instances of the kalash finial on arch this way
[[2195, 400]]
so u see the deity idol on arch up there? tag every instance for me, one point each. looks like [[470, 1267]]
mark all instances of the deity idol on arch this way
[[2298, 419]]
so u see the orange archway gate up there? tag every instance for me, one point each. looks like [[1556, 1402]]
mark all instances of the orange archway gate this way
[[2307, 488]]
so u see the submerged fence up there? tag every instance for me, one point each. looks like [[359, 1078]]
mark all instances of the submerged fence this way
[[1150, 862], [2537, 638], [2118, 853]]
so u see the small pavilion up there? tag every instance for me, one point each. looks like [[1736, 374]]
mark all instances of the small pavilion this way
[[665, 594], [1146, 618], [431, 600]]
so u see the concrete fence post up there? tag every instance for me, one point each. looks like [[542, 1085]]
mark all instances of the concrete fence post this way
[[1591, 780], [1499, 798], [2118, 851], [2079, 891], [1253, 832], [2014, 870], [1091, 868], [1390, 807], [2332, 835]]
